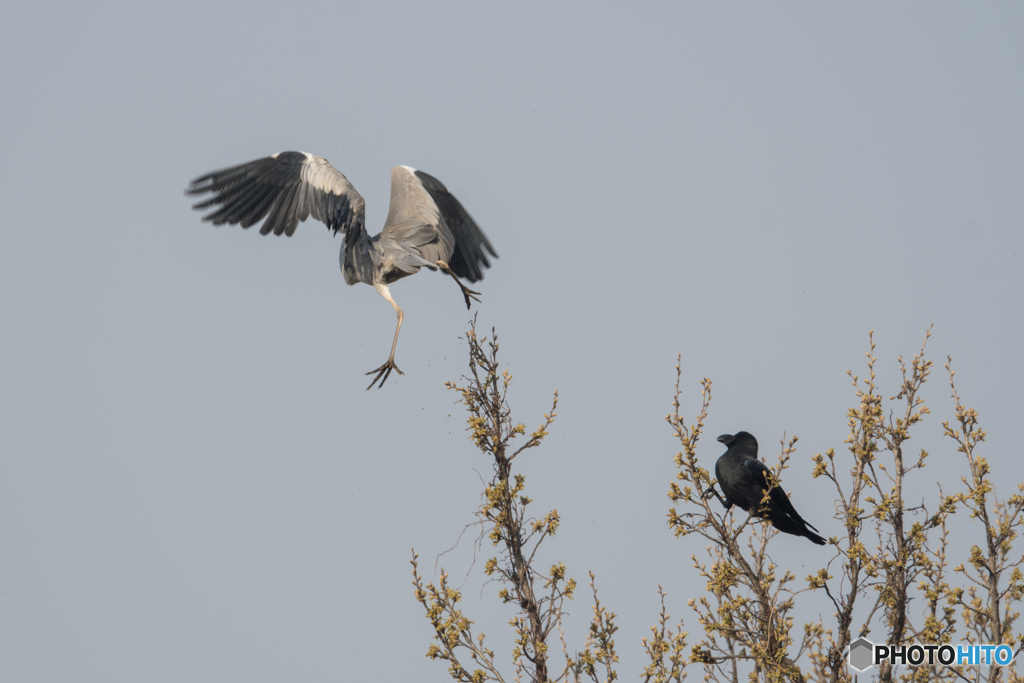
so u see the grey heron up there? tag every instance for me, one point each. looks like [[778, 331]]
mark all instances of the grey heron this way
[[426, 226]]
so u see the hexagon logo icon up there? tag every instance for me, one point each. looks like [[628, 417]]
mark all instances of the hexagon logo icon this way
[[861, 656]]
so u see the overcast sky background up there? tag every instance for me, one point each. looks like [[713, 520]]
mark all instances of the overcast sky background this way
[[194, 484]]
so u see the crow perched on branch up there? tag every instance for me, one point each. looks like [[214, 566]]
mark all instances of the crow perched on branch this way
[[744, 479]]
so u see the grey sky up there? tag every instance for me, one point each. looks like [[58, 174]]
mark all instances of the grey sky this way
[[193, 483]]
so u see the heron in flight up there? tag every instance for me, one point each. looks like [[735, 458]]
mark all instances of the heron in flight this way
[[426, 226]]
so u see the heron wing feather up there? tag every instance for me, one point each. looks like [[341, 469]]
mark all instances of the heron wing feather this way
[[285, 188], [468, 258]]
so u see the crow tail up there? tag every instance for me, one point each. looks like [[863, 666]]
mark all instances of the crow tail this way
[[788, 525]]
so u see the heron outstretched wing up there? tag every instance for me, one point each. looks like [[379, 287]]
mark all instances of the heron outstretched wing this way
[[422, 209], [286, 188], [468, 259]]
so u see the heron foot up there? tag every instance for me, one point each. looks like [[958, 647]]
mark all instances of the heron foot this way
[[383, 372], [469, 294], [466, 291]]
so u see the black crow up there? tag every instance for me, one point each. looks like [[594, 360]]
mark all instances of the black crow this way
[[744, 479]]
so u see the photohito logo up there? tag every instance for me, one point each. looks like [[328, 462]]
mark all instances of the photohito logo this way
[[864, 654]]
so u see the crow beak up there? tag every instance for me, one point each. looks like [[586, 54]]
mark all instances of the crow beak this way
[[726, 439]]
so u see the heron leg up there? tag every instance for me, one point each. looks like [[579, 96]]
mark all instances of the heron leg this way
[[385, 370], [466, 291]]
